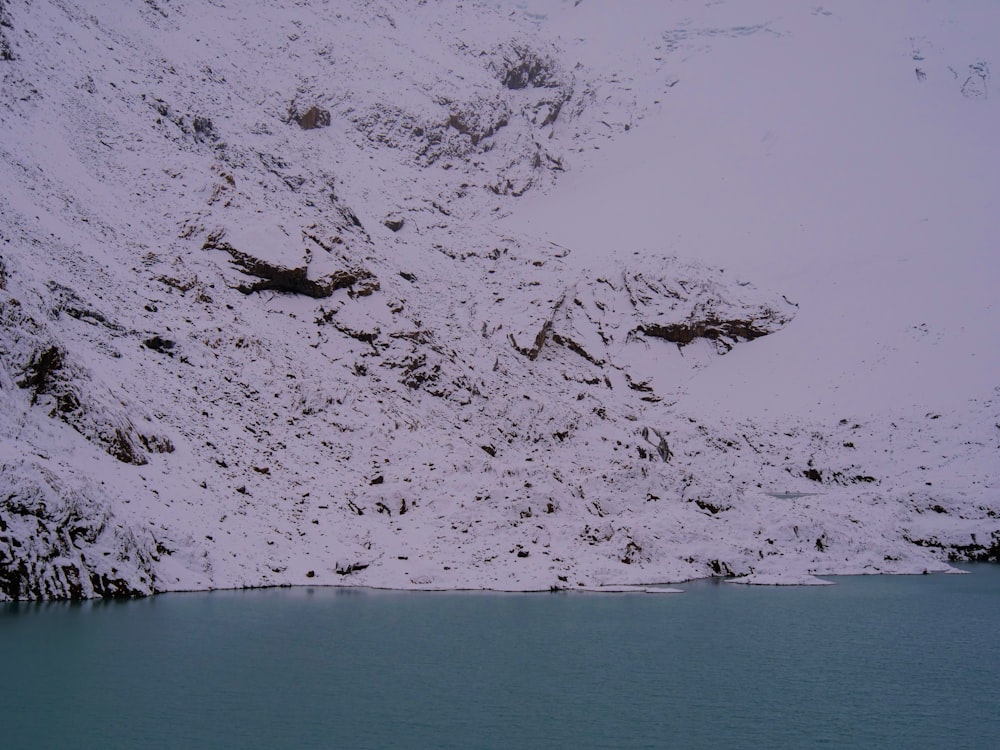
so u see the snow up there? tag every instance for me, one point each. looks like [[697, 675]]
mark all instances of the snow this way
[[504, 393], [630, 590], [780, 579], [807, 153]]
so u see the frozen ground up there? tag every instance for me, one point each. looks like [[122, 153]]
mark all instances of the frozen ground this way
[[494, 295]]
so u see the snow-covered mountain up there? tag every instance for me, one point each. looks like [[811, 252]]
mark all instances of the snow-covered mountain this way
[[509, 295]]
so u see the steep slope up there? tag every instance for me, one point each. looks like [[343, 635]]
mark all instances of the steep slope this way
[[279, 305]]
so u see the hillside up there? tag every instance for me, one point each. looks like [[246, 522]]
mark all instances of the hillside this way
[[494, 295]]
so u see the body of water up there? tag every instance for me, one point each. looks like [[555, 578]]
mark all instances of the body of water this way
[[889, 662]]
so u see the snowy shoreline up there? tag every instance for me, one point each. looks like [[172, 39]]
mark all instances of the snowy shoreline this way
[[453, 296], [668, 587]]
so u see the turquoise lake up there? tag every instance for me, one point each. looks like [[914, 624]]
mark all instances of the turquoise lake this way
[[880, 662]]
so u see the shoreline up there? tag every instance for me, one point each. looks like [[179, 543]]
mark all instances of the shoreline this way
[[666, 587]]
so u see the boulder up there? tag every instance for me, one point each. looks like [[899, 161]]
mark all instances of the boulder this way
[[313, 118], [282, 260]]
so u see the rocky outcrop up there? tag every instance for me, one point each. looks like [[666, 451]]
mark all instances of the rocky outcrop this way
[[529, 338], [288, 280], [524, 69], [976, 83], [520, 67], [709, 328], [57, 542], [6, 53], [667, 299], [282, 262], [56, 381], [681, 302], [312, 118], [971, 551], [505, 117], [480, 120]]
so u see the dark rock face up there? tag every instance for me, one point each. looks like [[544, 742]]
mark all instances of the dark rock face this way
[[535, 348], [313, 118], [160, 344], [57, 544], [395, 223], [204, 128], [478, 124], [6, 53], [197, 127], [674, 301], [975, 551], [720, 569], [54, 379], [525, 68], [49, 374], [813, 474], [709, 328], [346, 570], [293, 280], [285, 279], [41, 373]]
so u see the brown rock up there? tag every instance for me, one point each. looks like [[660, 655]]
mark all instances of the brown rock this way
[[313, 118]]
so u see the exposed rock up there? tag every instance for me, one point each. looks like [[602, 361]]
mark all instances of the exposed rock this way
[[395, 223], [976, 84], [159, 344], [313, 118], [66, 389], [813, 474], [194, 126], [632, 552], [530, 92], [520, 67], [346, 570], [57, 543], [697, 303], [720, 569], [709, 328], [480, 120], [156, 443], [204, 129], [66, 300], [530, 338], [290, 280], [40, 375], [659, 443], [58, 384], [6, 53], [674, 301], [977, 552], [265, 254], [973, 551], [576, 348], [713, 508]]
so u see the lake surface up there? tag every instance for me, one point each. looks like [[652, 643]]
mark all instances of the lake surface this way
[[871, 662]]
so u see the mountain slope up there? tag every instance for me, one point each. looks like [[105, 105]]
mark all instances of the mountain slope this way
[[349, 293]]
